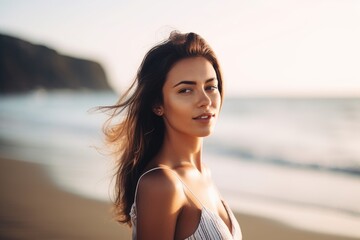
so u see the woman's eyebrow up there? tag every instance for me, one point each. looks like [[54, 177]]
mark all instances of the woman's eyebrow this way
[[193, 82]]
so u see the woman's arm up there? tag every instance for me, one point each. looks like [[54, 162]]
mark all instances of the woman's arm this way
[[159, 201]]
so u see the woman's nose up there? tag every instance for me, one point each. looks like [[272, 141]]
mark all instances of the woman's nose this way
[[204, 99]]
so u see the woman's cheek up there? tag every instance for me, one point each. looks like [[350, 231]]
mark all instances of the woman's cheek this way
[[179, 103]]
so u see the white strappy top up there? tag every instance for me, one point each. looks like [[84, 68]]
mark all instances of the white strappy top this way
[[211, 226]]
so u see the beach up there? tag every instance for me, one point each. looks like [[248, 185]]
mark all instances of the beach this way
[[283, 171], [33, 207]]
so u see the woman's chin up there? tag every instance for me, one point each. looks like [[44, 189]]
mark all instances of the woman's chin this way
[[205, 133]]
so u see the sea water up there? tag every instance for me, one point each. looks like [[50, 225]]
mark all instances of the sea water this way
[[293, 160]]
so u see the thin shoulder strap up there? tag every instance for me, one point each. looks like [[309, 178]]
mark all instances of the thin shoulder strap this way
[[137, 184], [177, 176]]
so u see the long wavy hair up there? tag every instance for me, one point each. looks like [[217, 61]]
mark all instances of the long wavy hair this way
[[133, 131]]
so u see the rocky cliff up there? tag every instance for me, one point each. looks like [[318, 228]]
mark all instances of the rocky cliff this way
[[25, 66]]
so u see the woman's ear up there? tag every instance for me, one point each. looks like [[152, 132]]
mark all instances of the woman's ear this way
[[158, 110]]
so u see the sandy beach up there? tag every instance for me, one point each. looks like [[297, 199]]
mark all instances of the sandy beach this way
[[32, 207]]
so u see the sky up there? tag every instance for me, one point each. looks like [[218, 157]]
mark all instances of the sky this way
[[307, 48]]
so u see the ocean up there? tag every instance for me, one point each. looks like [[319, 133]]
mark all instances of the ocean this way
[[293, 160]]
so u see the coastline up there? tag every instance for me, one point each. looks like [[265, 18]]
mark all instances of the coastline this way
[[32, 207]]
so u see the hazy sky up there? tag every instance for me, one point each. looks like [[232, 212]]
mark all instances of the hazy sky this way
[[269, 47]]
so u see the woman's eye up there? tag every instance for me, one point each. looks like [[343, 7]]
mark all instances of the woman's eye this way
[[212, 88], [185, 90]]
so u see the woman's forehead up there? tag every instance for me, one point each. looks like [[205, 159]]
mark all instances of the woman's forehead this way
[[197, 69]]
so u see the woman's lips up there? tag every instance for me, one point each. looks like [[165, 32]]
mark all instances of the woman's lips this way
[[204, 116]]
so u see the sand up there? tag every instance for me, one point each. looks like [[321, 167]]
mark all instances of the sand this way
[[32, 207]]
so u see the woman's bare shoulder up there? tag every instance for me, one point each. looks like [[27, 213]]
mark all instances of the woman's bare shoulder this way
[[162, 186], [160, 200]]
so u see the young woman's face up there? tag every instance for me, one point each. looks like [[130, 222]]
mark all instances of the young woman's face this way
[[191, 98]]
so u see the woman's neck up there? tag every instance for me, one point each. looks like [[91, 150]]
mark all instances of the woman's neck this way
[[179, 150]]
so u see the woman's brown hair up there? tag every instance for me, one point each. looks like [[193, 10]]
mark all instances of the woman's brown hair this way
[[139, 135]]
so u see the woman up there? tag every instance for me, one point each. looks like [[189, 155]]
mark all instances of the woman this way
[[163, 189]]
